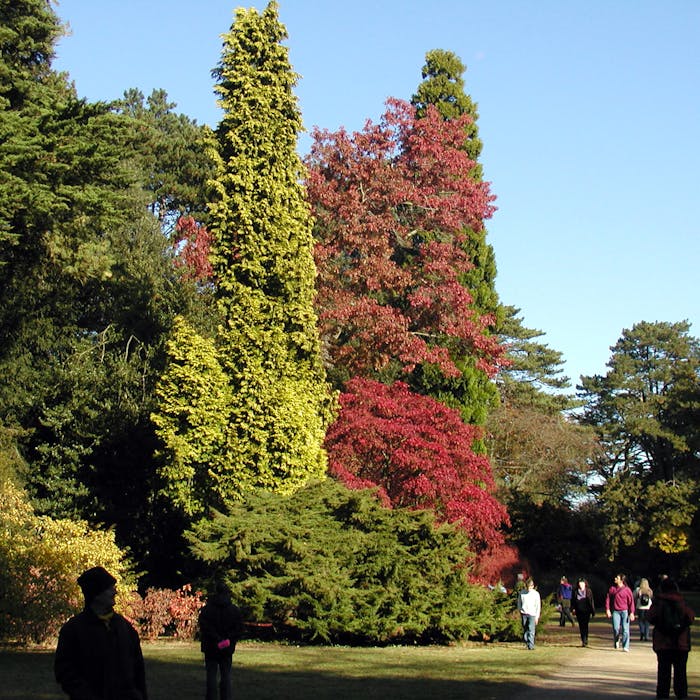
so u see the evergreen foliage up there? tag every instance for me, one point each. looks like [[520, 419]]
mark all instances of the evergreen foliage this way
[[533, 377], [194, 399], [87, 291], [170, 150], [645, 412], [645, 408], [443, 87], [263, 265], [332, 565]]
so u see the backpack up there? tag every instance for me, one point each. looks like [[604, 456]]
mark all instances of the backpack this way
[[671, 620], [644, 599]]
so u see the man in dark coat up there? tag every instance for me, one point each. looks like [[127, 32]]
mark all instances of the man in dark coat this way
[[671, 643], [220, 627], [98, 656]]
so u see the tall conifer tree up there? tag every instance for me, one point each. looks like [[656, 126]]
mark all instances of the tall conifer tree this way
[[263, 265], [443, 87]]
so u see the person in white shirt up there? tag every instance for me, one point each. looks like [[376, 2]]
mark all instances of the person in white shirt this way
[[530, 607]]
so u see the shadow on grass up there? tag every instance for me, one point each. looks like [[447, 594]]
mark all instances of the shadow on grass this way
[[255, 684], [28, 675]]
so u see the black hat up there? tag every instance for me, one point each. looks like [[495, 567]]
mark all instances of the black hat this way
[[94, 581]]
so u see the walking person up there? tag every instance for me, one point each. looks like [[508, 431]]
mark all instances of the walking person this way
[[619, 607], [99, 653], [220, 626], [643, 596], [564, 593], [530, 607], [671, 617], [583, 608]]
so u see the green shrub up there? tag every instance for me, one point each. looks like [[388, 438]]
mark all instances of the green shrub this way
[[332, 565]]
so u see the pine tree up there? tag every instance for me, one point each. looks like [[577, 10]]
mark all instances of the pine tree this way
[[263, 265]]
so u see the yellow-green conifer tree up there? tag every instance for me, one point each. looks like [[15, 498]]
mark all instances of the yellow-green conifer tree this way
[[263, 265]]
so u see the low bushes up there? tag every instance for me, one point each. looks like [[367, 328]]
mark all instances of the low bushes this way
[[163, 612], [331, 565]]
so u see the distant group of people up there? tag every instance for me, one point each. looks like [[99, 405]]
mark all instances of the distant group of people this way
[[667, 612], [99, 656]]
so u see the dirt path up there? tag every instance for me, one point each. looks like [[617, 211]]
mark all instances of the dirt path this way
[[599, 670]]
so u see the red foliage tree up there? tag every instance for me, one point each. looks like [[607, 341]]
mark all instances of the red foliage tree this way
[[191, 242], [392, 204], [418, 453]]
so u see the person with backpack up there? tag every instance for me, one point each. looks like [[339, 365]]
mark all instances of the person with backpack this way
[[619, 607], [671, 618], [643, 596]]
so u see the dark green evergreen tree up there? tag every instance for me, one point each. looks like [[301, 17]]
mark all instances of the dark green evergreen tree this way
[[171, 154], [534, 376], [331, 565], [645, 408], [87, 290], [522, 409], [443, 87], [645, 411]]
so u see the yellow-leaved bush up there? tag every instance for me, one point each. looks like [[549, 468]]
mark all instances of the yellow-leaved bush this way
[[40, 561]]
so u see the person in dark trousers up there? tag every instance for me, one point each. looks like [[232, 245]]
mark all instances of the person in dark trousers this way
[[583, 607], [98, 656], [220, 627], [564, 593], [671, 618]]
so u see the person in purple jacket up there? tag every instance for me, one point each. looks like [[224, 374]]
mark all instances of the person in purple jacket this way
[[619, 607]]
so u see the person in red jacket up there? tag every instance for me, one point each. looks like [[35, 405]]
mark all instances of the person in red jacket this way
[[671, 618], [619, 607]]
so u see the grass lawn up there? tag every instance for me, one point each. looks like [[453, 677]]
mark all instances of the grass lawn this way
[[266, 671]]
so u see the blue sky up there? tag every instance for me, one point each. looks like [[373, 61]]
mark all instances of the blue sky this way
[[589, 114]]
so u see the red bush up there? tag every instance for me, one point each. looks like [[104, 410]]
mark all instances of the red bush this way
[[164, 612]]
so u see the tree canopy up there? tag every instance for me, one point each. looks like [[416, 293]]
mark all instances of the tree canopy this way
[[391, 203], [645, 411]]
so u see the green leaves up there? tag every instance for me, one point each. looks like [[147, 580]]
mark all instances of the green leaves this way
[[644, 411], [331, 565]]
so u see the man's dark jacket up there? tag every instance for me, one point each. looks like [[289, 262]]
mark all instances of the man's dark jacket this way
[[219, 619], [96, 661]]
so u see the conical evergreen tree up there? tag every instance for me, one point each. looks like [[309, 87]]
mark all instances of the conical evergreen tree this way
[[443, 87], [263, 265]]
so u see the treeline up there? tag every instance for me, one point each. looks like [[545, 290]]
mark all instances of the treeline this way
[[219, 360]]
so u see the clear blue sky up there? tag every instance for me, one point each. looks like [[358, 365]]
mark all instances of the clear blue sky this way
[[589, 114]]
